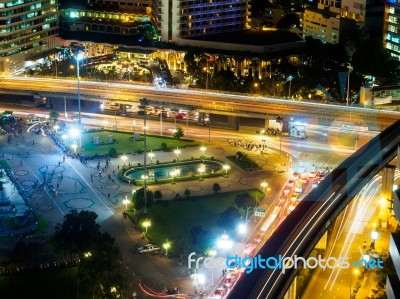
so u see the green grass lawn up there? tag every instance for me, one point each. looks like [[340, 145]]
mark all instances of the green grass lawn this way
[[173, 219], [4, 164], [125, 143]]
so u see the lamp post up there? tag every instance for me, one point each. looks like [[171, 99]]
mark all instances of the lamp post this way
[[79, 57], [56, 128], [201, 170], [166, 246], [264, 184], [146, 224], [256, 87], [203, 149], [213, 253], [177, 153], [226, 167], [126, 202], [290, 78], [65, 138], [124, 158], [151, 155], [349, 68], [145, 102], [374, 236], [74, 146], [355, 272], [247, 214]]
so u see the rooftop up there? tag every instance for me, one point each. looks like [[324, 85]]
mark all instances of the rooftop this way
[[256, 38]]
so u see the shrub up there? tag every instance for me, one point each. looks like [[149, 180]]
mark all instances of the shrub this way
[[163, 147], [187, 192], [157, 162], [139, 164], [157, 195], [112, 152], [216, 187]]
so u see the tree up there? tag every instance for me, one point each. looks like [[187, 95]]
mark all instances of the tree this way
[[54, 115], [138, 199], [229, 218], [216, 187], [157, 195], [244, 200], [187, 193], [25, 254], [78, 233], [195, 232], [178, 133]]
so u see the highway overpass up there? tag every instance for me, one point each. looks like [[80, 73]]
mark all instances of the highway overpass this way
[[235, 108], [301, 230]]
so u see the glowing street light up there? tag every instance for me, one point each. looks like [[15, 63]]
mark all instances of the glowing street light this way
[[224, 242], [87, 254], [226, 167], [212, 253], [74, 146], [203, 149], [146, 224], [64, 137], [355, 272], [201, 170], [105, 123], [56, 128], [242, 228], [151, 155], [74, 132], [124, 158], [177, 153], [166, 246], [126, 202], [264, 184]]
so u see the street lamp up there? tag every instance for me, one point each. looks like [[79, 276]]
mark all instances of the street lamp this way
[[264, 184], [374, 236], [145, 102], [226, 167], [201, 169], [124, 158], [224, 242], [355, 272], [151, 155], [65, 137], [203, 149], [79, 56], [105, 122], [349, 69], [290, 78], [242, 228], [256, 87], [177, 153], [166, 246], [212, 253], [146, 224], [126, 202], [56, 128], [74, 146]]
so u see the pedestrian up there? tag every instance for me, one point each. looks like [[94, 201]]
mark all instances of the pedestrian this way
[[63, 158], [118, 167], [59, 163], [33, 142], [109, 195]]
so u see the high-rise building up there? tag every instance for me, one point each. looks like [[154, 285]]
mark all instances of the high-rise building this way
[[392, 27], [27, 28], [334, 20], [180, 20]]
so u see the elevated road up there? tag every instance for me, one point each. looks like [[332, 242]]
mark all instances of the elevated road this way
[[300, 231], [214, 102]]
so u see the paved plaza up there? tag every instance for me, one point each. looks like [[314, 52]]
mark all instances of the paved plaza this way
[[57, 184]]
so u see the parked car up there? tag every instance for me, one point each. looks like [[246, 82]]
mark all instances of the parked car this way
[[149, 248], [32, 121]]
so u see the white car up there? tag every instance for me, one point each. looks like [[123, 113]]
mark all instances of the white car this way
[[32, 121], [149, 248]]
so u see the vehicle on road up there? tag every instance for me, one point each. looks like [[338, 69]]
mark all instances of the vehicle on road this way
[[228, 281], [33, 121], [219, 293], [149, 248]]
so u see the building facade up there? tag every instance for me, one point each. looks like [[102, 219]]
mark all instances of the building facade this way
[[185, 19], [392, 27], [27, 28]]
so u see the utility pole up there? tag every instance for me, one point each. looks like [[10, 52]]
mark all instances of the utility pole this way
[[144, 102]]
